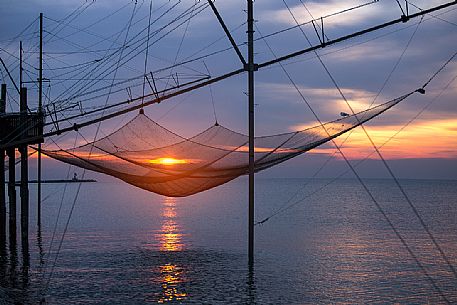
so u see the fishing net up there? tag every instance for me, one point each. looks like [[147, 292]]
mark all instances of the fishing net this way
[[151, 157]]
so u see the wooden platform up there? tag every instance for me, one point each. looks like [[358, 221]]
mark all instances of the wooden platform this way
[[20, 126]]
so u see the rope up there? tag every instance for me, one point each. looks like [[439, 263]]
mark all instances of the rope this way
[[397, 63], [293, 62], [378, 206], [59, 210], [434, 15], [83, 175], [164, 35], [133, 47], [90, 25], [75, 12], [102, 61], [105, 67], [185, 98], [285, 208], [309, 22], [175, 65], [439, 70], [217, 52], [286, 205], [280, 209], [147, 51], [181, 41], [317, 24], [386, 165], [212, 96], [67, 20]]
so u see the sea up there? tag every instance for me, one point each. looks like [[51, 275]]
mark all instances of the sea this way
[[320, 242]]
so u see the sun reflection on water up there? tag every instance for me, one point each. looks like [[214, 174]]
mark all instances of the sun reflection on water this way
[[171, 278], [170, 240]]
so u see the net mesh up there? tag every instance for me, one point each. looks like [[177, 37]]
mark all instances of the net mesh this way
[[151, 157]]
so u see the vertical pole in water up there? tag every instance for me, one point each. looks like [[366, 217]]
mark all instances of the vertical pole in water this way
[[40, 112], [24, 176], [24, 188], [12, 195], [251, 69], [2, 177]]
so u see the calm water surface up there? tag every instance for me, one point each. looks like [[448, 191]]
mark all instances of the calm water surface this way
[[128, 246]]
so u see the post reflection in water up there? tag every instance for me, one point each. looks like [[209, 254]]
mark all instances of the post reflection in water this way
[[169, 239]]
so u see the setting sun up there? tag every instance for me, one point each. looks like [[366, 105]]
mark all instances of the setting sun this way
[[167, 161]]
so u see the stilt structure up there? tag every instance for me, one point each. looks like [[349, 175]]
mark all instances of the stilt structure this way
[[26, 127]]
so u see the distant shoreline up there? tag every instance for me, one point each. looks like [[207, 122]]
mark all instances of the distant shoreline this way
[[58, 181]]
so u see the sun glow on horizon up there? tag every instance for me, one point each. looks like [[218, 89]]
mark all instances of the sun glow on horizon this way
[[423, 139], [167, 161]]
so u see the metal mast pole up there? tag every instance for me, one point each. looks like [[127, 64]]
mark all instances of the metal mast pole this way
[[251, 68], [20, 67], [40, 111]]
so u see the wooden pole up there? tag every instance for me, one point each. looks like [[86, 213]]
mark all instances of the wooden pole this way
[[251, 69], [2, 177], [40, 111], [12, 195], [24, 190], [20, 67], [2, 200]]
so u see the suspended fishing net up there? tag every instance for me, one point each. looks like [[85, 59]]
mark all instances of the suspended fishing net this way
[[151, 157]]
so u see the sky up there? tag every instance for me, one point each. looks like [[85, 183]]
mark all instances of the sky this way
[[81, 36]]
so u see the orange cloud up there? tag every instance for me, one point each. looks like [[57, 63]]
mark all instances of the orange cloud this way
[[426, 139]]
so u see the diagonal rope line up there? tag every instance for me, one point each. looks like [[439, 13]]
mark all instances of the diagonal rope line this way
[[327, 161], [386, 165], [194, 59], [85, 28], [440, 69], [434, 15], [64, 22], [147, 51], [285, 208], [378, 206], [84, 172], [59, 210], [135, 47], [397, 63], [212, 96], [182, 41], [80, 86], [404, 28]]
